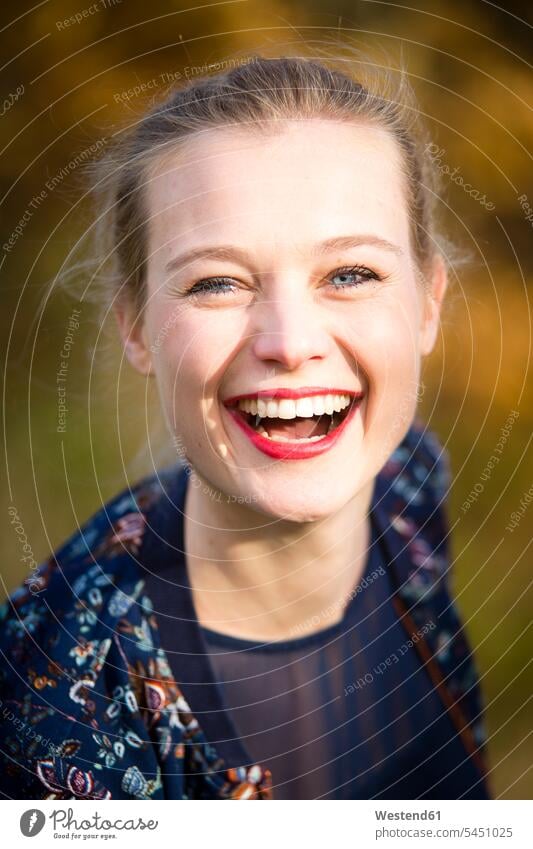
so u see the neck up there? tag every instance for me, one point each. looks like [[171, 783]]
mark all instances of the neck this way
[[260, 579]]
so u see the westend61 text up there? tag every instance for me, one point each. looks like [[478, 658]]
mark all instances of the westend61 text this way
[[407, 815]]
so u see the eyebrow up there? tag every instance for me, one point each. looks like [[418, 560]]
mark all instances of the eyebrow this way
[[233, 253]]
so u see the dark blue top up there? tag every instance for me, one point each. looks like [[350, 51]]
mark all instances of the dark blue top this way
[[347, 712]]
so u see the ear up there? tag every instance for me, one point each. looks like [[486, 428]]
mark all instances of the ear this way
[[432, 304], [132, 329]]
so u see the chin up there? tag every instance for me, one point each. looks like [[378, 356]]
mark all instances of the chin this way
[[299, 505]]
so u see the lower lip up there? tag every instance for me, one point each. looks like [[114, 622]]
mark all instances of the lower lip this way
[[293, 450]]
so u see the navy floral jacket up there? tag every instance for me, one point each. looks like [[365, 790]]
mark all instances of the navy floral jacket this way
[[89, 708]]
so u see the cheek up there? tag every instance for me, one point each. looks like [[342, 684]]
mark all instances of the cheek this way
[[193, 350], [385, 346], [385, 343], [393, 370]]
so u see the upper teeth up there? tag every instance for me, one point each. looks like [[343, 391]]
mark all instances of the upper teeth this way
[[289, 408]]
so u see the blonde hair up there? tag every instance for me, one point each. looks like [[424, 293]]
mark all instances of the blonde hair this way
[[255, 95]]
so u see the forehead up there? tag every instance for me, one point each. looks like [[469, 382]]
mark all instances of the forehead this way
[[306, 181]]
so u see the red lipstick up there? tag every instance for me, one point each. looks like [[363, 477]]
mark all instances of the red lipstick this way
[[280, 450]]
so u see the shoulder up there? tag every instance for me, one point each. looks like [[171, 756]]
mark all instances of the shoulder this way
[[412, 490], [415, 483], [70, 637], [419, 469], [91, 552], [67, 607]]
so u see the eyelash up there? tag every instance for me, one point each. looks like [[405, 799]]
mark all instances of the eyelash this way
[[207, 285]]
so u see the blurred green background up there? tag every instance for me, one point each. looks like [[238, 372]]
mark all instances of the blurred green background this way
[[64, 85]]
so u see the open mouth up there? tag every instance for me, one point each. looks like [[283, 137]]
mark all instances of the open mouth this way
[[302, 420]]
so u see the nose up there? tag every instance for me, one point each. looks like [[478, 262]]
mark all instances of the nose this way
[[288, 332]]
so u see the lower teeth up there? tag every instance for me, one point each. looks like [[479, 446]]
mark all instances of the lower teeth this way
[[285, 439], [279, 438]]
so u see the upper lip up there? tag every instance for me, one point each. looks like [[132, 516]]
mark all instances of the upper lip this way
[[287, 392]]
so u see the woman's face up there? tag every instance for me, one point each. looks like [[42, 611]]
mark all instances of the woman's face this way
[[279, 273]]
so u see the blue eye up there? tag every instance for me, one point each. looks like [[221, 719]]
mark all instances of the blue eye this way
[[353, 277], [212, 285], [347, 278]]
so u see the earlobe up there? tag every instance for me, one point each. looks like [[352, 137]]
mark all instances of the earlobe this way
[[132, 331], [433, 300]]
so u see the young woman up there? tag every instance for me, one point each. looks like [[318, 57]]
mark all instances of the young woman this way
[[271, 617]]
